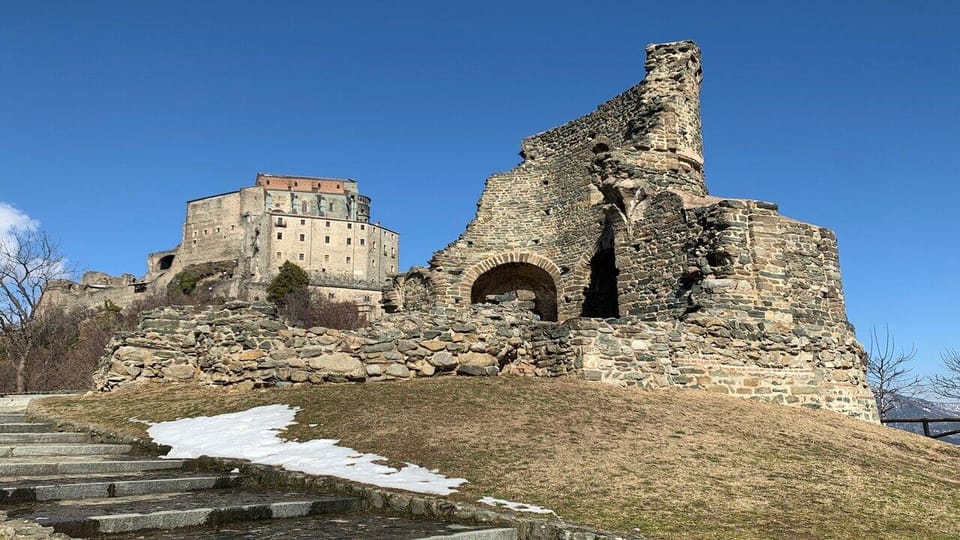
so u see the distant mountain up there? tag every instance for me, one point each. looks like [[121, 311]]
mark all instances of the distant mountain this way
[[908, 407]]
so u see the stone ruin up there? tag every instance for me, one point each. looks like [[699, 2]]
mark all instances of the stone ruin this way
[[607, 234]]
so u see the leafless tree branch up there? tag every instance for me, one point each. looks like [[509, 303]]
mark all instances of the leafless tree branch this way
[[889, 372], [947, 385]]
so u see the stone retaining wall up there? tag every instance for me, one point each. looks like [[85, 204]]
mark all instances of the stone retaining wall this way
[[246, 345]]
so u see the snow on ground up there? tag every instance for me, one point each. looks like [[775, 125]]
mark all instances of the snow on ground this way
[[252, 435], [518, 507]]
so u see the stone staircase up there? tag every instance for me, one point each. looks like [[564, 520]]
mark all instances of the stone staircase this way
[[84, 489]]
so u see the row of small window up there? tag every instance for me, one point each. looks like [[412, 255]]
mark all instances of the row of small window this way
[[326, 258], [207, 231], [326, 239], [280, 222]]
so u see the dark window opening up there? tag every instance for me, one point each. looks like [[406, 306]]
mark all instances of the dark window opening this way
[[165, 262], [600, 298]]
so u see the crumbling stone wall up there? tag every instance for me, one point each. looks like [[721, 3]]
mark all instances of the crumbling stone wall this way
[[554, 204], [246, 345], [608, 216]]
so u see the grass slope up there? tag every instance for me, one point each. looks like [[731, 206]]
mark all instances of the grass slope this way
[[666, 464]]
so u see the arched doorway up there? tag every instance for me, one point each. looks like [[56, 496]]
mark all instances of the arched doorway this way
[[165, 262], [519, 276]]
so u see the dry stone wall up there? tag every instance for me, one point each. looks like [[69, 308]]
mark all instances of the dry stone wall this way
[[246, 345]]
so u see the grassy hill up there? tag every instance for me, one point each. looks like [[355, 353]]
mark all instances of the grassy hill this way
[[664, 464]]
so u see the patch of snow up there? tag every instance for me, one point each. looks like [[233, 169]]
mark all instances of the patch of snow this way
[[515, 506], [252, 435]]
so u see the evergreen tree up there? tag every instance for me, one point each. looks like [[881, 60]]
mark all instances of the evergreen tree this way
[[290, 279]]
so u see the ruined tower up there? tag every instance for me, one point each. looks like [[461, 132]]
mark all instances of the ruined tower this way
[[608, 216]]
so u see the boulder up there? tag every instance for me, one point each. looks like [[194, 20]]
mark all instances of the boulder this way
[[338, 363], [398, 370], [478, 359], [443, 360], [179, 371]]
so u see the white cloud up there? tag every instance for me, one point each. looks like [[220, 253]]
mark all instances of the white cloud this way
[[12, 218]]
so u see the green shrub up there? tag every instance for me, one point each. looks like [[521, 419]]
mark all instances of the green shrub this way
[[185, 282], [291, 278]]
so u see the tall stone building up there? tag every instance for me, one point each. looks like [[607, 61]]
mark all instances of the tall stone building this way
[[608, 216], [240, 239]]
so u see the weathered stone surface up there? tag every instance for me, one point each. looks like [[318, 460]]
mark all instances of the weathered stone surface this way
[[443, 360], [340, 363], [179, 371], [478, 359], [397, 370], [433, 345]]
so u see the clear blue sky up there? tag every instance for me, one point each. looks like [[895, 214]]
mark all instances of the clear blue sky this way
[[114, 113]]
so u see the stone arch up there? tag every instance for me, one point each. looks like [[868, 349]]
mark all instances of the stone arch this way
[[512, 271]]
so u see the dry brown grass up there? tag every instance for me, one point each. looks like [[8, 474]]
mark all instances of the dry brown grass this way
[[668, 464]]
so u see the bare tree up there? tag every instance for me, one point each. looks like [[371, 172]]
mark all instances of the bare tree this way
[[889, 373], [29, 261], [947, 385]]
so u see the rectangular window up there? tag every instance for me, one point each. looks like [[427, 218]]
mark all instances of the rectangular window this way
[[348, 260], [300, 256], [366, 298], [363, 241], [363, 227], [328, 224], [303, 237], [349, 225], [279, 236], [330, 206], [330, 296], [326, 258], [303, 221], [326, 239], [349, 240], [278, 255]]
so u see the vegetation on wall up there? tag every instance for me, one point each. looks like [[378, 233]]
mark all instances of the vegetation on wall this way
[[290, 291], [186, 281]]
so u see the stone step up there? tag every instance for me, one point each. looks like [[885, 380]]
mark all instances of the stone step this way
[[341, 526], [478, 534], [8, 438], [193, 509], [86, 466], [25, 450], [69, 490], [24, 427], [12, 418]]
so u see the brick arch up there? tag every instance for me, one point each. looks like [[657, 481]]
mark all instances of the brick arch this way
[[515, 260]]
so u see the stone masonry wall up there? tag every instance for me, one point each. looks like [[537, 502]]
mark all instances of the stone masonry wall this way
[[553, 204], [246, 345]]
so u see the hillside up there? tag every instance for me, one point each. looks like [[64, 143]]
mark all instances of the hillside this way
[[664, 464]]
